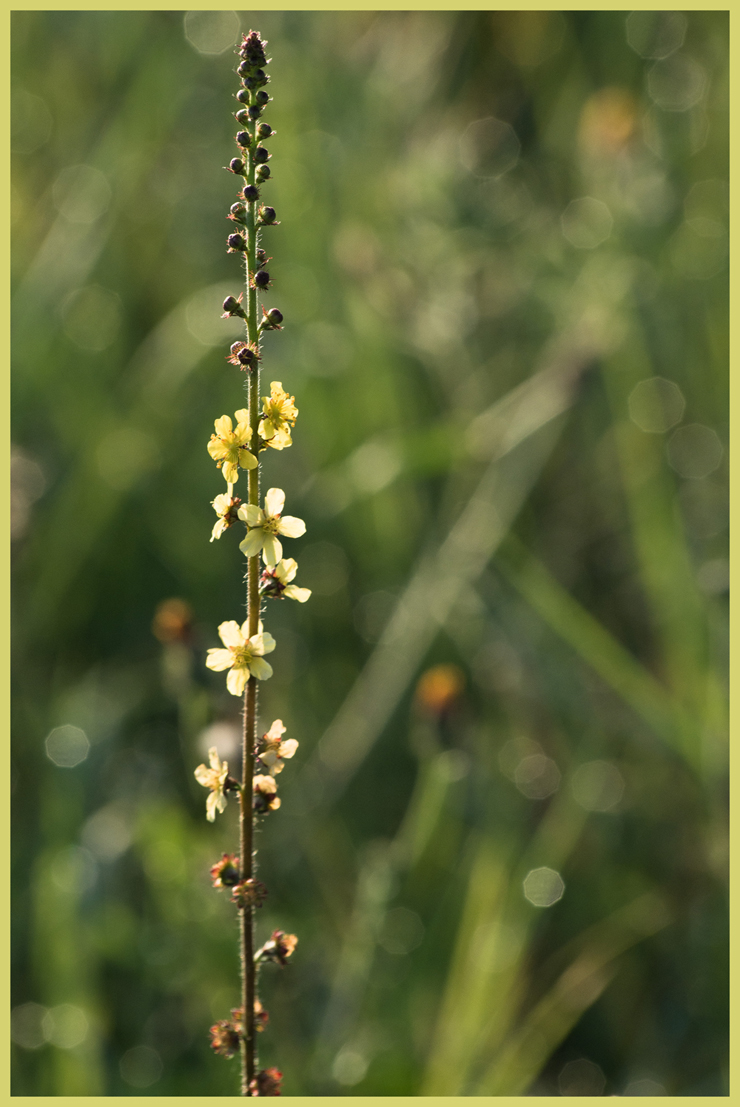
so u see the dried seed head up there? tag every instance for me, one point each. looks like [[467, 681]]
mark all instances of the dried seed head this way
[[266, 1082], [225, 873], [225, 1037], [249, 893]]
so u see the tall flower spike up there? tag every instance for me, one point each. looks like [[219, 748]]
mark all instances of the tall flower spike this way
[[264, 421]]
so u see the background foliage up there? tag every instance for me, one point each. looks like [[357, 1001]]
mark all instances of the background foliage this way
[[511, 679]]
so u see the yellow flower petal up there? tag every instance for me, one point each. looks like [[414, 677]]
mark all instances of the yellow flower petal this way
[[291, 526], [260, 668], [293, 592], [274, 501], [272, 550], [230, 634], [218, 660], [236, 681]]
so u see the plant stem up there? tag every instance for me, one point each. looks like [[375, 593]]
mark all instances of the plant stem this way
[[249, 1045]]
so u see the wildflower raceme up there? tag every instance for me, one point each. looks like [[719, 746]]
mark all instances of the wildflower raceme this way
[[238, 446]]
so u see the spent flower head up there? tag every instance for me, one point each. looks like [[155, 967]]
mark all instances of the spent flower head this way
[[265, 526], [225, 1037], [266, 1082], [264, 798], [249, 893], [278, 948], [225, 873]]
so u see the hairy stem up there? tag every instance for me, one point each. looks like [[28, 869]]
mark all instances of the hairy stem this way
[[249, 1046]]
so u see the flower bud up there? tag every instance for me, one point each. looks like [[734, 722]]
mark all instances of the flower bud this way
[[251, 193], [236, 165], [261, 279], [243, 97], [242, 116], [255, 111], [252, 49], [247, 357], [238, 212], [262, 97], [267, 215], [264, 130], [274, 317], [231, 304], [263, 172], [262, 258], [243, 139], [261, 155], [243, 69], [236, 243]]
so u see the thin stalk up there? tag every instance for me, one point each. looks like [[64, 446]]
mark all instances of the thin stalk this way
[[249, 736]]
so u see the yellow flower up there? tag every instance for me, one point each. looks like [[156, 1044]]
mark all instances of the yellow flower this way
[[276, 752], [225, 506], [279, 414], [265, 526], [243, 655], [276, 582], [229, 447], [213, 778]]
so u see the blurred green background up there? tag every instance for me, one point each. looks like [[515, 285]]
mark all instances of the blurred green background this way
[[502, 262]]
